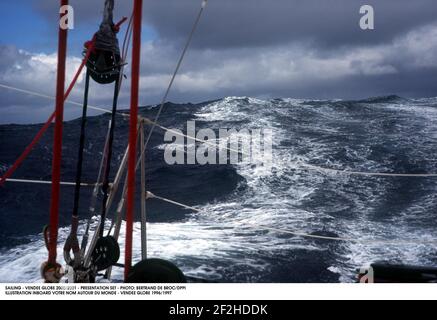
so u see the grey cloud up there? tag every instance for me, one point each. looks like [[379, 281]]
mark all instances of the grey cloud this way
[[231, 23], [300, 70], [37, 72], [252, 23], [11, 57], [261, 48]]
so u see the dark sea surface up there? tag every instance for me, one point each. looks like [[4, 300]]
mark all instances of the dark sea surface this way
[[386, 134]]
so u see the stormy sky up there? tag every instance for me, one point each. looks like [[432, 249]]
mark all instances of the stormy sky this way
[[262, 48]]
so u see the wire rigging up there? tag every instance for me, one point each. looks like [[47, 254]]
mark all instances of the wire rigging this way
[[178, 66], [150, 195], [299, 164]]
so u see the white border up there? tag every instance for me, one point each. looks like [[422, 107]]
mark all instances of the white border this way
[[248, 292]]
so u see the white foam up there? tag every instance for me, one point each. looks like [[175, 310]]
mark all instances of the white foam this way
[[222, 235]]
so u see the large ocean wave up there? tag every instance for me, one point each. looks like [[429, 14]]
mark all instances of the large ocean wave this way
[[384, 134]]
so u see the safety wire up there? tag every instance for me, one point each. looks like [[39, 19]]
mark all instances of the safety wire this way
[[95, 195], [167, 92], [44, 182], [179, 64], [150, 195], [300, 165]]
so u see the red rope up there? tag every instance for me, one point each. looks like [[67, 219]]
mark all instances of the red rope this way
[[117, 26], [130, 207], [46, 126]]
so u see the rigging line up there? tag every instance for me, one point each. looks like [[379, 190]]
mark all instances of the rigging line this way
[[122, 202], [146, 120], [72, 242], [125, 49], [72, 184], [124, 115], [102, 167], [48, 123], [36, 94], [109, 197], [117, 221], [94, 196], [303, 165], [360, 173], [100, 174], [126, 42], [341, 239], [107, 171], [126, 39], [79, 167], [181, 59], [150, 195], [143, 197], [108, 194], [108, 205], [124, 191]]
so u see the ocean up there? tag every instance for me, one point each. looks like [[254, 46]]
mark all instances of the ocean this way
[[384, 134]]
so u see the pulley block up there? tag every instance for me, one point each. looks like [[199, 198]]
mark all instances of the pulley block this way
[[106, 253], [104, 66]]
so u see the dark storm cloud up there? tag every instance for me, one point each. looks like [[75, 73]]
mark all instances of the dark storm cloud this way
[[407, 63], [248, 23], [263, 48], [328, 23]]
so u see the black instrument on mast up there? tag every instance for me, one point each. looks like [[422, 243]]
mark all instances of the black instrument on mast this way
[[104, 62], [104, 66]]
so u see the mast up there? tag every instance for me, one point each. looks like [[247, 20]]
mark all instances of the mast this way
[[136, 59], [57, 143]]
